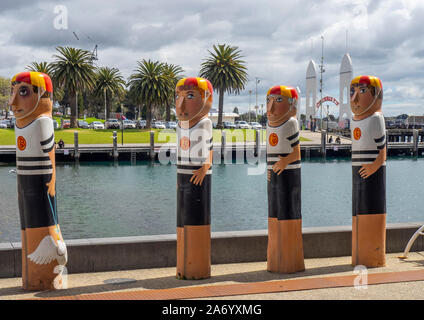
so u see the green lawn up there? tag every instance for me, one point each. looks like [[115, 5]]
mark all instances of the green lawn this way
[[91, 136]]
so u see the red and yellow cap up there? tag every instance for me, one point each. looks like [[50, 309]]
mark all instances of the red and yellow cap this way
[[368, 80], [285, 91], [196, 82], [38, 79]]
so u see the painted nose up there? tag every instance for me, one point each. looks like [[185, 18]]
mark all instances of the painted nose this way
[[180, 104], [270, 107], [355, 97], [13, 99]]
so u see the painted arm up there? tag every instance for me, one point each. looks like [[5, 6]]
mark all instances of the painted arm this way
[[370, 168], [52, 183], [281, 164], [199, 174]]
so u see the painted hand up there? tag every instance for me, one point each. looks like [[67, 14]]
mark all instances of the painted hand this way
[[198, 176], [51, 187], [367, 170], [280, 165]]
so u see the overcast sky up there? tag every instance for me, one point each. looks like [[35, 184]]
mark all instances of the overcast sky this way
[[277, 39]]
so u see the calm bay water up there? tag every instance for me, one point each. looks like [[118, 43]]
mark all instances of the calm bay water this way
[[113, 200]]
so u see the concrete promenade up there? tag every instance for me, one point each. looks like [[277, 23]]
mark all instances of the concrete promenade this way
[[324, 278]]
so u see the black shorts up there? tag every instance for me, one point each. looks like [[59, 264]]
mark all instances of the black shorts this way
[[193, 202], [34, 202], [284, 195], [368, 195]]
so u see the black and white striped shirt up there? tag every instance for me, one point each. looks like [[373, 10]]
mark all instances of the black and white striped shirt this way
[[193, 146], [368, 138], [280, 142], [33, 143]]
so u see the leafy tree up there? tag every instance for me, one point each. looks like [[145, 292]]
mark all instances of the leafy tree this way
[[4, 94], [227, 72]]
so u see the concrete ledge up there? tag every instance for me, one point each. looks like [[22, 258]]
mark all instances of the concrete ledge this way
[[125, 253]]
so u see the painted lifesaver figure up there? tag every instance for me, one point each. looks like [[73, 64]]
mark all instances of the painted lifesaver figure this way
[[368, 172], [285, 243], [194, 178], [44, 253]]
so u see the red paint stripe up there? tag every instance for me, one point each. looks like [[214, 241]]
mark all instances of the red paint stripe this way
[[24, 77], [294, 93], [275, 90], [191, 82]]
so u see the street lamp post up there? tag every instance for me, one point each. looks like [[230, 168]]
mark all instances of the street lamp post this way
[[250, 95]]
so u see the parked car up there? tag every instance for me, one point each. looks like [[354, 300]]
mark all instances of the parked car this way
[[242, 125], [228, 125], [255, 125], [171, 125], [82, 124], [128, 124], [141, 124], [96, 125], [66, 124], [112, 124], [55, 124], [3, 124], [159, 125], [10, 123]]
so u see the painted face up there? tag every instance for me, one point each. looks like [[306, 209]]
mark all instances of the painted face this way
[[361, 98], [23, 99], [188, 103], [278, 107]]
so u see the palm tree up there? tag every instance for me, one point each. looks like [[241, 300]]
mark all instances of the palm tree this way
[[173, 74], [109, 82], [73, 71], [43, 67], [149, 86], [226, 71], [47, 68]]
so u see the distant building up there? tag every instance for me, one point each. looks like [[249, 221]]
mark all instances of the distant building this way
[[416, 122], [226, 116]]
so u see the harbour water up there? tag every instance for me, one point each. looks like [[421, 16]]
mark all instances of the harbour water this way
[[103, 199]]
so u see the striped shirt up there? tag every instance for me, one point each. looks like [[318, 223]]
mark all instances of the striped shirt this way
[[193, 146], [368, 138], [280, 142], [33, 143]]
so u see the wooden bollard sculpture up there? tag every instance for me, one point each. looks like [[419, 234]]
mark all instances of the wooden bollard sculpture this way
[[285, 244], [194, 178], [44, 253], [368, 172]]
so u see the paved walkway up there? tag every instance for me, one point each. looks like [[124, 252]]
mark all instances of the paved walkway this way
[[325, 278]]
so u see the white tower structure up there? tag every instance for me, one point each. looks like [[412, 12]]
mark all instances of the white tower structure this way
[[311, 90], [346, 74]]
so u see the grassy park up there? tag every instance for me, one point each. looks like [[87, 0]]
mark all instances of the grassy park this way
[[91, 136]]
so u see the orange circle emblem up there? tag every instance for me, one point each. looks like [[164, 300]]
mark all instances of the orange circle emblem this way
[[21, 143], [357, 133], [273, 139], [185, 143]]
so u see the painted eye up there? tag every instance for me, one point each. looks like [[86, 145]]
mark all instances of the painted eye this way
[[363, 90], [190, 96], [268, 100], [352, 91], [279, 100], [23, 91], [176, 97]]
